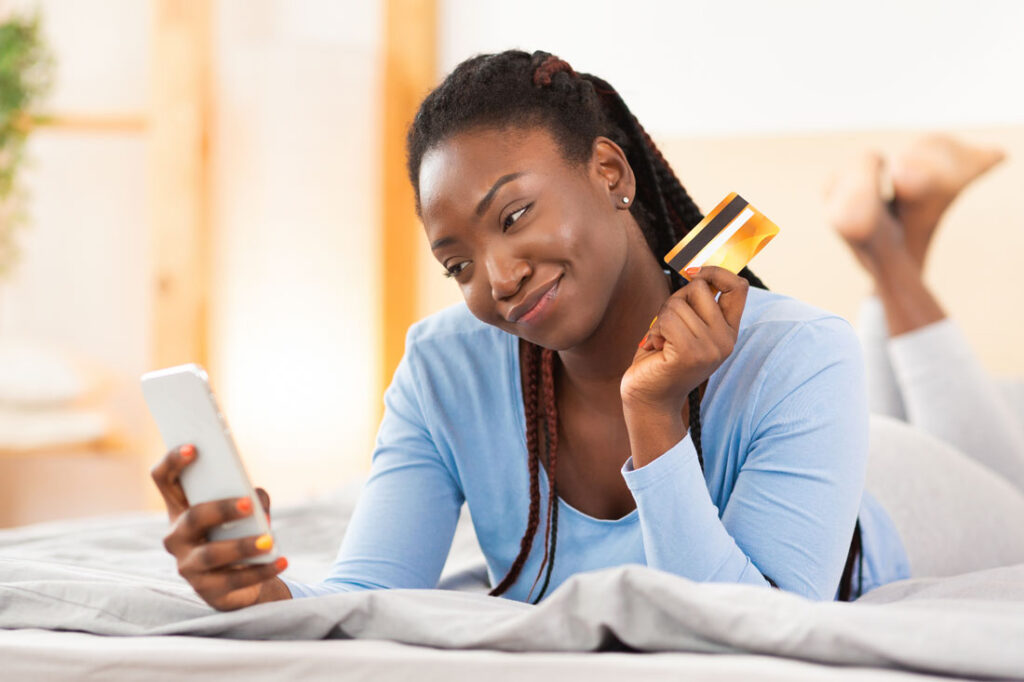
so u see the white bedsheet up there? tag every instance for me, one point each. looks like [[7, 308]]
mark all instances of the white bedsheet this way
[[43, 655], [111, 576]]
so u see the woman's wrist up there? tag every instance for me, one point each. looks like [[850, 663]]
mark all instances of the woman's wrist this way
[[273, 590], [653, 431]]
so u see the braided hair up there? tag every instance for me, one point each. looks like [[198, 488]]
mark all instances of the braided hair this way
[[516, 89]]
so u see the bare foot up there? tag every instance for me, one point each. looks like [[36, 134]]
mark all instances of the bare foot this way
[[854, 206], [927, 177]]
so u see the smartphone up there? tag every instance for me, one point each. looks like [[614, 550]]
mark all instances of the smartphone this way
[[182, 403]]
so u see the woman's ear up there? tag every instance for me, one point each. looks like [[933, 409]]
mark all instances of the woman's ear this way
[[612, 170]]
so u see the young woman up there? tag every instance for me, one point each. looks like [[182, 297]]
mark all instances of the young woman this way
[[729, 445]]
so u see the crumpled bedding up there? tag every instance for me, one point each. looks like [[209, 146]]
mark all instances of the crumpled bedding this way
[[111, 576]]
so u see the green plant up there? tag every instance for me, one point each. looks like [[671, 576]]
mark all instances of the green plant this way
[[25, 76]]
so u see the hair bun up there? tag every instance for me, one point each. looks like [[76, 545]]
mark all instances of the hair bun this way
[[548, 68]]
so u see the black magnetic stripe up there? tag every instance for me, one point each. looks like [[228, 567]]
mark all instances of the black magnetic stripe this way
[[710, 231]]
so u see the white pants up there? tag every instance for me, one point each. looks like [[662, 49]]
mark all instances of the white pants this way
[[947, 447]]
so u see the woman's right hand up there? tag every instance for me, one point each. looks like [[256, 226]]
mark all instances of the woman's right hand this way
[[210, 567]]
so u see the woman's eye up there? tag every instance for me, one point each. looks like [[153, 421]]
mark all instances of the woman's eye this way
[[511, 218], [456, 270]]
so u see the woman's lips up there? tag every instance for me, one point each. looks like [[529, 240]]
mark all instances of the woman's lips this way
[[542, 306]]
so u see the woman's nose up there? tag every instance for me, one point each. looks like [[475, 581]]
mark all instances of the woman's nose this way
[[506, 274]]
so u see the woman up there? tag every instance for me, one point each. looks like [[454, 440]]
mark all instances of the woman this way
[[729, 445]]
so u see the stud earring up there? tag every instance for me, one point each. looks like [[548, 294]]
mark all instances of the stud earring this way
[[625, 200]]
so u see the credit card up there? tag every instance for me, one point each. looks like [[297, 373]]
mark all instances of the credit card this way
[[729, 236]]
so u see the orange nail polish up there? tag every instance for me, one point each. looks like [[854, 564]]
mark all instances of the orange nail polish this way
[[281, 563], [187, 451], [244, 505], [643, 340], [690, 272]]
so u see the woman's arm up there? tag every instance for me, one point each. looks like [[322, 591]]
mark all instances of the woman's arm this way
[[792, 508]]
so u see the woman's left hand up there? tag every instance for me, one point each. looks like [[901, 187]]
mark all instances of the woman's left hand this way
[[691, 337]]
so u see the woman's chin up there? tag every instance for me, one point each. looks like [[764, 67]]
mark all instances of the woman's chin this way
[[559, 337]]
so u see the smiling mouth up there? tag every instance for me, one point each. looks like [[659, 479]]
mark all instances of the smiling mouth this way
[[541, 306]]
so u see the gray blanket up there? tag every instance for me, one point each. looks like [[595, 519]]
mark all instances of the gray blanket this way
[[112, 577]]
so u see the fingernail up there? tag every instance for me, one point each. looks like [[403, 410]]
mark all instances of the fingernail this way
[[244, 505], [187, 451], [264, 542], [268, 517], [690, 272], [652, 322], [643, 340], [281, 563]]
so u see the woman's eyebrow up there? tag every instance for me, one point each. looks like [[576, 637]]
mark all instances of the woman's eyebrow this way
[[486, 201], [481, 208]]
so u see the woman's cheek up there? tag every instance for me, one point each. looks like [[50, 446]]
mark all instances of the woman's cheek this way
[[573, 238], [481, 304]]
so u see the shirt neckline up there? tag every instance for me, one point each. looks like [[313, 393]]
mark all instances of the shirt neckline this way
[[517, 392]]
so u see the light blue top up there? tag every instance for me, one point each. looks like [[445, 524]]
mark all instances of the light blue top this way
[[785, 436]]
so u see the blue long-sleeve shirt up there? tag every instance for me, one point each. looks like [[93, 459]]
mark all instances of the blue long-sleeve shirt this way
[[784, 433]]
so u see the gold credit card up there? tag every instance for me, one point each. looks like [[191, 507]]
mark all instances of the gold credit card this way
[[732, 234]]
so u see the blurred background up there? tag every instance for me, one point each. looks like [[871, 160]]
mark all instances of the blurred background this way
[[222, 181]]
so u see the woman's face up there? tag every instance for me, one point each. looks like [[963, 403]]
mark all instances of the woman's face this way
[[516, 223]]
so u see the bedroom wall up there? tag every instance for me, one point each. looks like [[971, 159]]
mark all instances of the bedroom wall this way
[[292, 337], [80, 288], [84, 251], [294, 300], [973, 264], [741, 96], [767, 98]]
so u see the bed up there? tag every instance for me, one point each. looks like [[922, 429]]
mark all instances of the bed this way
[[99, 598]]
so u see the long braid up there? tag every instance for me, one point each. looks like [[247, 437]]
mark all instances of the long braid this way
[[694, 401], [554, 543], [547, 369], [533, 462]]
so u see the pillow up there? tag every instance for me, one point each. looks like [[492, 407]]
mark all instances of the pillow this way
[[33, 375], [37, 429]]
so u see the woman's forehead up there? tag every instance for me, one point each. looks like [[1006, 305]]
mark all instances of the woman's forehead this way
[[462, 168]]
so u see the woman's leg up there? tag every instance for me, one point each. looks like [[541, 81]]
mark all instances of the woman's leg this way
[[948, 394], [884, 395], [1012, 389], [943, 388], [953, 514], [846, 212], [927, 177], [857, 212]]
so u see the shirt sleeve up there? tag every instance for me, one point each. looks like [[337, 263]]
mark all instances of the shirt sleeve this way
[[794, 503], [403, 523]]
